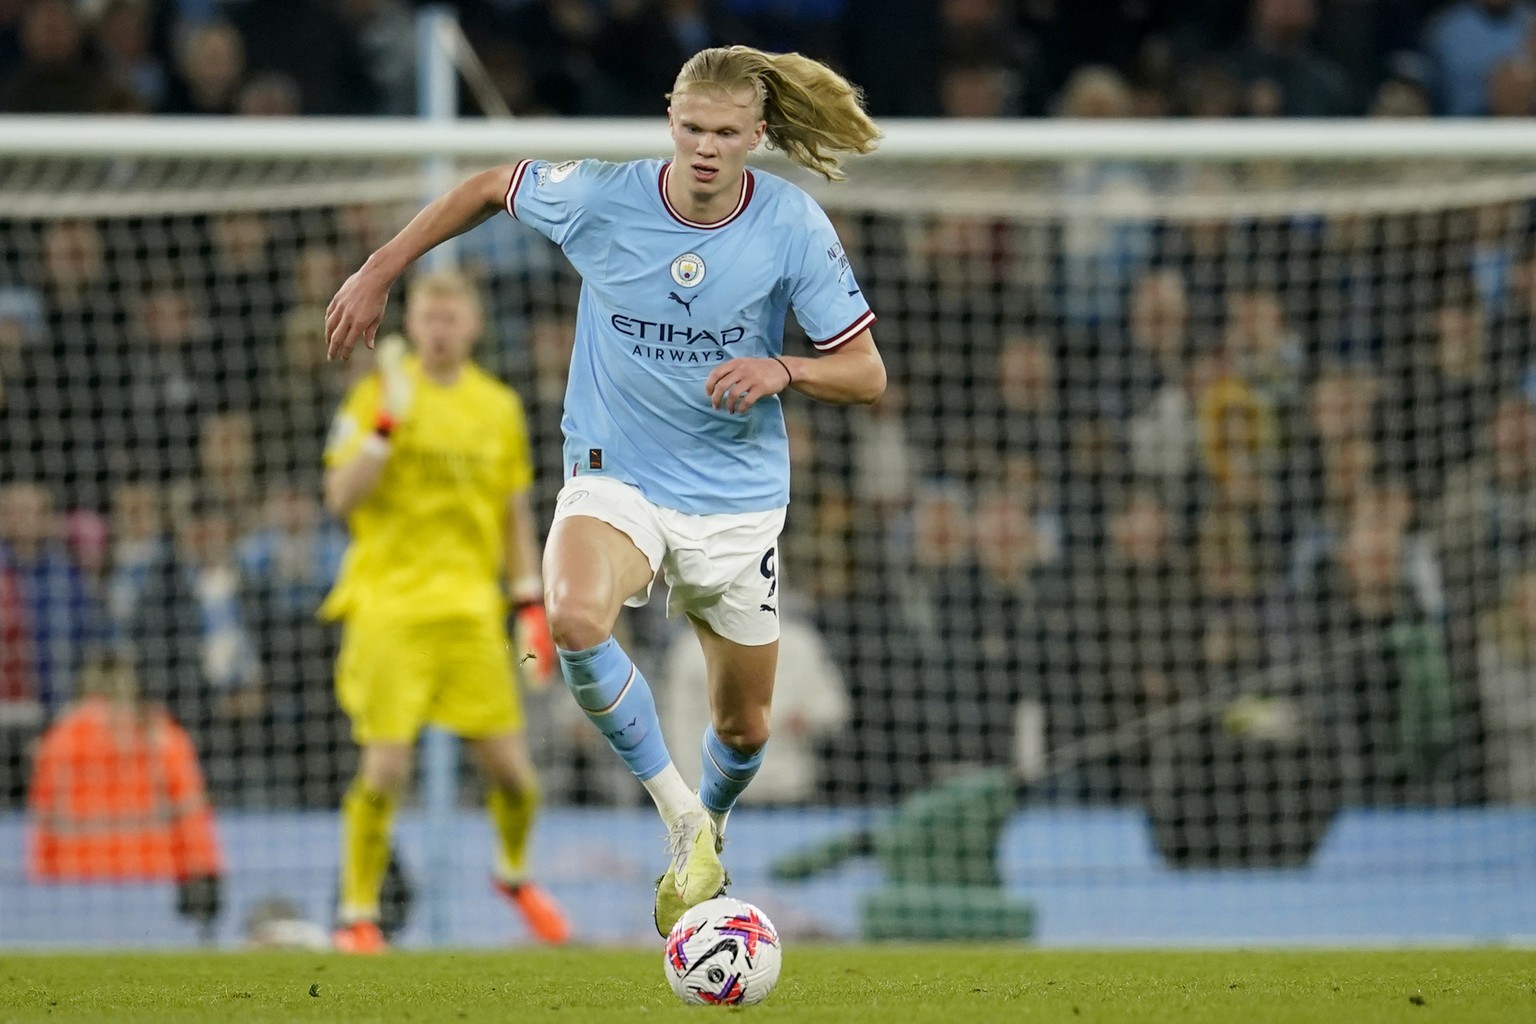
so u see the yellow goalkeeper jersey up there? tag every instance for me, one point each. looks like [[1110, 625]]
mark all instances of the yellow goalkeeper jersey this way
[[429, 543]]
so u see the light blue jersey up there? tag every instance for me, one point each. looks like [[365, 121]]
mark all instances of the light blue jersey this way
[[664, 301]]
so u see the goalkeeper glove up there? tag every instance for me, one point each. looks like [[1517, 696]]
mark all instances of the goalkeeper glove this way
[[530, 631], [397, 386]]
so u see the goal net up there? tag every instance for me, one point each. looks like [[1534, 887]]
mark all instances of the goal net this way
[[1181, 588]]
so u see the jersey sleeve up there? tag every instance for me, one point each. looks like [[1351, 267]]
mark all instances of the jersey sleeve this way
[[826, 299], [555, 199], [351, 422]]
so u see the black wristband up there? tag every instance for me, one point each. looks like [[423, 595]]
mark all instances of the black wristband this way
[[518, 607], [786, 369]]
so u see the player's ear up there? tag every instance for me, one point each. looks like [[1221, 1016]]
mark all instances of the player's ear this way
[[757, 136]]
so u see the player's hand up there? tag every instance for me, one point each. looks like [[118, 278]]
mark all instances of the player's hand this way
[[355, 312], [737, 386], [533, 647], [396, 387]]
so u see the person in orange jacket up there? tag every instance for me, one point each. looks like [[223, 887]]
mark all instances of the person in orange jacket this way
[[117, 796]]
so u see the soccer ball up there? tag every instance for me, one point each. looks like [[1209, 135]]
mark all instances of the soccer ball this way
[[723, 952]]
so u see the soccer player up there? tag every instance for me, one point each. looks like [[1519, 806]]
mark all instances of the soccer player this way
[[428, 461], [675, 444]]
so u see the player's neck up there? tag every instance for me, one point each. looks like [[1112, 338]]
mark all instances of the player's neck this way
[[702, 207], [444, 376]]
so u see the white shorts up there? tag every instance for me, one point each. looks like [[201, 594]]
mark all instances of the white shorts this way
[[722, 569]]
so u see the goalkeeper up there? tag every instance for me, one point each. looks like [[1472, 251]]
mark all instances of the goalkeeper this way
[[428, 461]]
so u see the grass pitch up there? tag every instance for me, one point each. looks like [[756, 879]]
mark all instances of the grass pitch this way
[[843, 984]]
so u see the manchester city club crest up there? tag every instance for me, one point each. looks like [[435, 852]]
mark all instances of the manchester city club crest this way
[[688, 270]]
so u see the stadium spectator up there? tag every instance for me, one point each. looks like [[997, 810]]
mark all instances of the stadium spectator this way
[[122, 36], [1102, 251], [49, 609], [1026, 416], [555, 39], [287, 565], [1401, 98], [1486, 519], [882, 474], [810, 706], [1281, 70], [30, 387], [55, 75], [1442, 395], [139, 543], [386, 36], [1161, 344], [226, 458], [195, 651], [1240, 628], [938, 599], [1466, 42], [1019, 590], [269, 94], [1131, 615], [980, 34], [1380, 661], [172, 378], [210, 68], [641, 44], [312, 46], [977, 90], [1264, 349], [1507, 684], [117, 795], [85, 345], [1239, 444], [242, 287]]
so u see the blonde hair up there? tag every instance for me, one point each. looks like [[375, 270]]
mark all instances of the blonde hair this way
[[813, 113], [445, 284]]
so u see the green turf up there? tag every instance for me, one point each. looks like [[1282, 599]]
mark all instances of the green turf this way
[[848, 985]]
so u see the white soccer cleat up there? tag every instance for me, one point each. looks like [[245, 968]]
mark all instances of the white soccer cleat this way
[[695, 850], [694, 868]]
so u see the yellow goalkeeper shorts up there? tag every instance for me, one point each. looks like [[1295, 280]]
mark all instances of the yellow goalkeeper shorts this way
[[393, 678]]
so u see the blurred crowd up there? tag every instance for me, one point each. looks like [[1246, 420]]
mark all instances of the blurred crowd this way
[[1289, 461], [958, 58]]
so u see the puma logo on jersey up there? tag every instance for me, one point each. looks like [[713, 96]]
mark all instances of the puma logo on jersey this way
[[687, 304]]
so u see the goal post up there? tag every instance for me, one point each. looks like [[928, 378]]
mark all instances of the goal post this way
[[1186, 571]]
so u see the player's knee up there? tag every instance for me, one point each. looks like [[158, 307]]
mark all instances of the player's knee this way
[[517, 780], [576, 622], [746, 736], [385, 771]]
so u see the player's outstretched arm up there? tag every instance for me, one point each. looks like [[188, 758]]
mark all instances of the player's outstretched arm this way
[[358, 307]]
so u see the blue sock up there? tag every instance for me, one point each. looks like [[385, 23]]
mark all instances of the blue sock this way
[[726, 772], [608, 686]]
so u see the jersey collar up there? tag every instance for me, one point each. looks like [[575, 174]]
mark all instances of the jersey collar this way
[[748, 185]]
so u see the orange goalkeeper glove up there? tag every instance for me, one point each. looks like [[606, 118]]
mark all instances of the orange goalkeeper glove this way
[[535, 647]]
